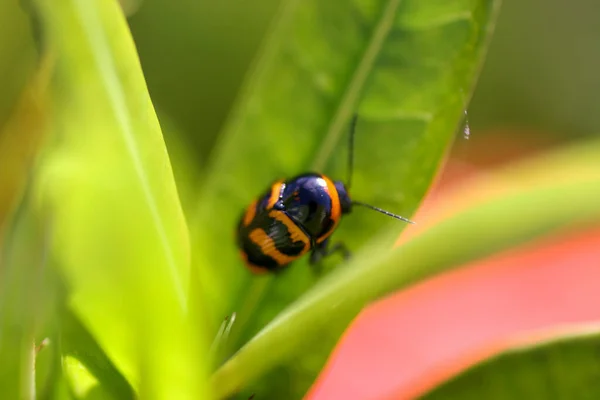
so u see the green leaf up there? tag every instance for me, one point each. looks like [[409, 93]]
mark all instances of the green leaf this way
[[119, 233], [27, 294], [407, 68], [562, 366], [557, 191], [76, 342], [22, 292]]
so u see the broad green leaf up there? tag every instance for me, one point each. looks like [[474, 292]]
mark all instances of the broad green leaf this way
[[406, 67], [562, 191], [119, 236], [564, 366]]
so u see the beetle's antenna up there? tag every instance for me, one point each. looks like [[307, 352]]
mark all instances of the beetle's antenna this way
[[389, 214], [351, 150]]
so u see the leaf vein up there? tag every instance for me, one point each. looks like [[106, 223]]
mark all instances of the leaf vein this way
[[357, 82]]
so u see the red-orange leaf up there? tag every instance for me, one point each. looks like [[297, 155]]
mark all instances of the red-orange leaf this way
[[403, 346]]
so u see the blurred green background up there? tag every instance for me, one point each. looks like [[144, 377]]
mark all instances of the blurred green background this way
[[540, 80], [541, 75]]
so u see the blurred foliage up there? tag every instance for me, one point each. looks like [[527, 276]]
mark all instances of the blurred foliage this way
[[21, 270], [21, 137], [195, 55], [104, 188], [541, 70], [540, 74], [17, 55], [562, 366]]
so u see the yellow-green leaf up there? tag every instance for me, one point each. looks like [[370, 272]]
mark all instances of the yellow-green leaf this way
[[119, 235]]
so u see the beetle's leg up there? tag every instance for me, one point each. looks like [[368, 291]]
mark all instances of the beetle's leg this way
[[323, 250]]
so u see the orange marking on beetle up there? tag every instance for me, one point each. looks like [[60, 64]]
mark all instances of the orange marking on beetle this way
[[275, 191], [296, 234], [255, 269], [336, 208], [250, 213], [267, 246]]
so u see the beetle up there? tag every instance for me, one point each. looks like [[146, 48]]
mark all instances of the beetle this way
[[296, 216]]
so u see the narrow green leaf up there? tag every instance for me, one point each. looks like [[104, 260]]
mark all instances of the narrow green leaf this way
[[77, 342], [22, 262], [407, 67], [120, 238], [26, 293], [564, 366], [313, 323]]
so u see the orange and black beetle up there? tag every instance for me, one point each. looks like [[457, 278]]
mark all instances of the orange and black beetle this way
[[294, 217]]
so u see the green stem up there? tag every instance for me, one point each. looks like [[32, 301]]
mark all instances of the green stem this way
[[28, 372]]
